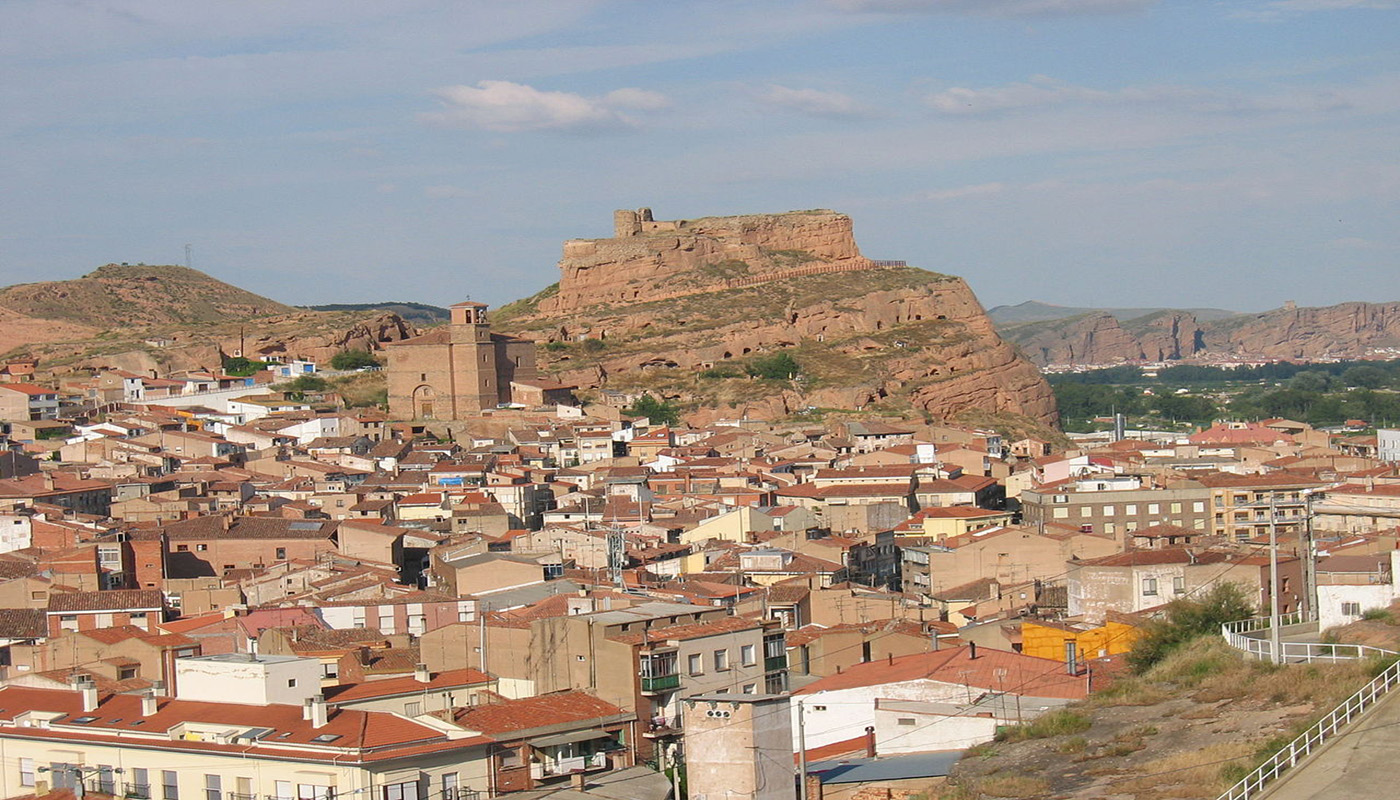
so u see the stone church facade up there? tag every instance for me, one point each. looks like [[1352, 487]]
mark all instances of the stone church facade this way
[[457, 371]]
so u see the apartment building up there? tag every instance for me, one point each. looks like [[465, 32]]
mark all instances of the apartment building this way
[[1114, 507], [1245, 507]]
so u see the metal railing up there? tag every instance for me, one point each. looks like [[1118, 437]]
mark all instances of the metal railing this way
[[1237, 635]]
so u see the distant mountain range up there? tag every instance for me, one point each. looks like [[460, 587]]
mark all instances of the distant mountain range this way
[[1036, 311], [417, 313], [1049, 334]]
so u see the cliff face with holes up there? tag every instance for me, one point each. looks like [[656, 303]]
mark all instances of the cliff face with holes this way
[[687, 308]]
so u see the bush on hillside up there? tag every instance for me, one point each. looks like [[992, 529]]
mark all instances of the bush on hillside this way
[[353, 359], [1188, 619]]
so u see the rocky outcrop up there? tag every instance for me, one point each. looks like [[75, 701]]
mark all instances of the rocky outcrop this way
[[1348, 330], [651, 260], [670, 305]]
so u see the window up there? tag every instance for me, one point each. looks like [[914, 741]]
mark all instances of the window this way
[[408, 790], [1060, 513], [721, 660], [1176, 508], [449, 785], [1178, 585], [1130, 509], [281, 553], [331, 670], [182, 548], [140, 785], [284, 790], [26, 772], [200, 548], [1348, 610], [1154, 508], [746, 655], [311, 791], [213, 787], [291, 683], [696, 664], [1149, 587], [818, 708], [386, 623], [412, 709], [906, 720], [750, 688], [1198, 506], [106, 779], [1109, 511]]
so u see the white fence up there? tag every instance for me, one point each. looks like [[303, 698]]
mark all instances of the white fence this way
[[1251, 636]]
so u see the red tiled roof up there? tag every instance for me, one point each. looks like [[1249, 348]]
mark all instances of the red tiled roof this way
[[498, 720], [991, 669], [408, 684]]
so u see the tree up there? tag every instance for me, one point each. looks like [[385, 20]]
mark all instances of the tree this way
[[778, 366], [660, 412], [1187, 619], [353, 359], [1365, 376], [1310, 381], [304, 384], [240, 367]]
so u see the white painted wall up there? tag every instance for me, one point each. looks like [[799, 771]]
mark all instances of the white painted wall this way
[[256, 680]]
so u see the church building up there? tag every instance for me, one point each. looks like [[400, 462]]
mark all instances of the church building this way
[[459, 370]]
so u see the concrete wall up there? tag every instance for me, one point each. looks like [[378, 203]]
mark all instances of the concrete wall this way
[[248, 679]]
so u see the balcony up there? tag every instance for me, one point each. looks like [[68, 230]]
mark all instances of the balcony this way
[[658, 727], [775, 663], [567, 766], [660, 683]]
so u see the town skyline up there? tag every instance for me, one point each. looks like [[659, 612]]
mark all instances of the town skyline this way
[[1122, 152]]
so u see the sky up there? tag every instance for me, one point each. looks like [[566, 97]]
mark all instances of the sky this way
[[1233, 154]]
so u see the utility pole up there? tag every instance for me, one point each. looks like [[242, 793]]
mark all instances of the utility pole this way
[[1307, 550], [1275, 646], [801, 754]]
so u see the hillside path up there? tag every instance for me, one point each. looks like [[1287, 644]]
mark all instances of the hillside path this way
[[1359, 763]]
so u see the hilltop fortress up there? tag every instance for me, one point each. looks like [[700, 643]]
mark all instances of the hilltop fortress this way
[[649, 259]]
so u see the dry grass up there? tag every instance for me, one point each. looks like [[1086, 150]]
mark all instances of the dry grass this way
[[1199, 773], [1013, 786]]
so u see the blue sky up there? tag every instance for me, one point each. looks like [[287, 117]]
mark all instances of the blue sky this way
[[1081, 152]]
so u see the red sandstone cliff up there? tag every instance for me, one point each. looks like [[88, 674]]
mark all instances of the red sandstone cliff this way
[[680, 306]]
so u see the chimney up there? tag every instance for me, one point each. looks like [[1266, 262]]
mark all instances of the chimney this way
[[421, 673], [869, 741], [89, 690], [889, 659], [314, 711], [971, 650], [578, 780], [148, 703], [48, 482]]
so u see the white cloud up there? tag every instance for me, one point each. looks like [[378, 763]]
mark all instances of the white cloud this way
[[1043, 91], [977, 190], [511, 107], [638, 99], [996, 8], [813, 102]]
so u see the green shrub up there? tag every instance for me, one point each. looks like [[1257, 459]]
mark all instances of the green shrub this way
[[1379, 615], [593, 345], [240, 367], [1188, 619], [660, 412], [353, 359], [1056, 723], [778, 366]]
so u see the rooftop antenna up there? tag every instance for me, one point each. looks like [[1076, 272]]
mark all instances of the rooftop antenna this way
[[188, 262]]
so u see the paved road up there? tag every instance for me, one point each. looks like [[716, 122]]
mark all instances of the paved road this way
[[1359, 763]]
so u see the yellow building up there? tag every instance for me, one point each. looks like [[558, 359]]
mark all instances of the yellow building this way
[[949, 521], [1047, 639]]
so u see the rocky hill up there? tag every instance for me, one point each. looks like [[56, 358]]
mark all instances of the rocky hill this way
[[1348, 330], [158, 318], [120, 295], [689, 308]]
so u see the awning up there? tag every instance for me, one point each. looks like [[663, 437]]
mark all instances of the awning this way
[[571, 736]]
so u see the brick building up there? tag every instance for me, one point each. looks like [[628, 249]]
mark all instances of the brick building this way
[[457, 370]]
